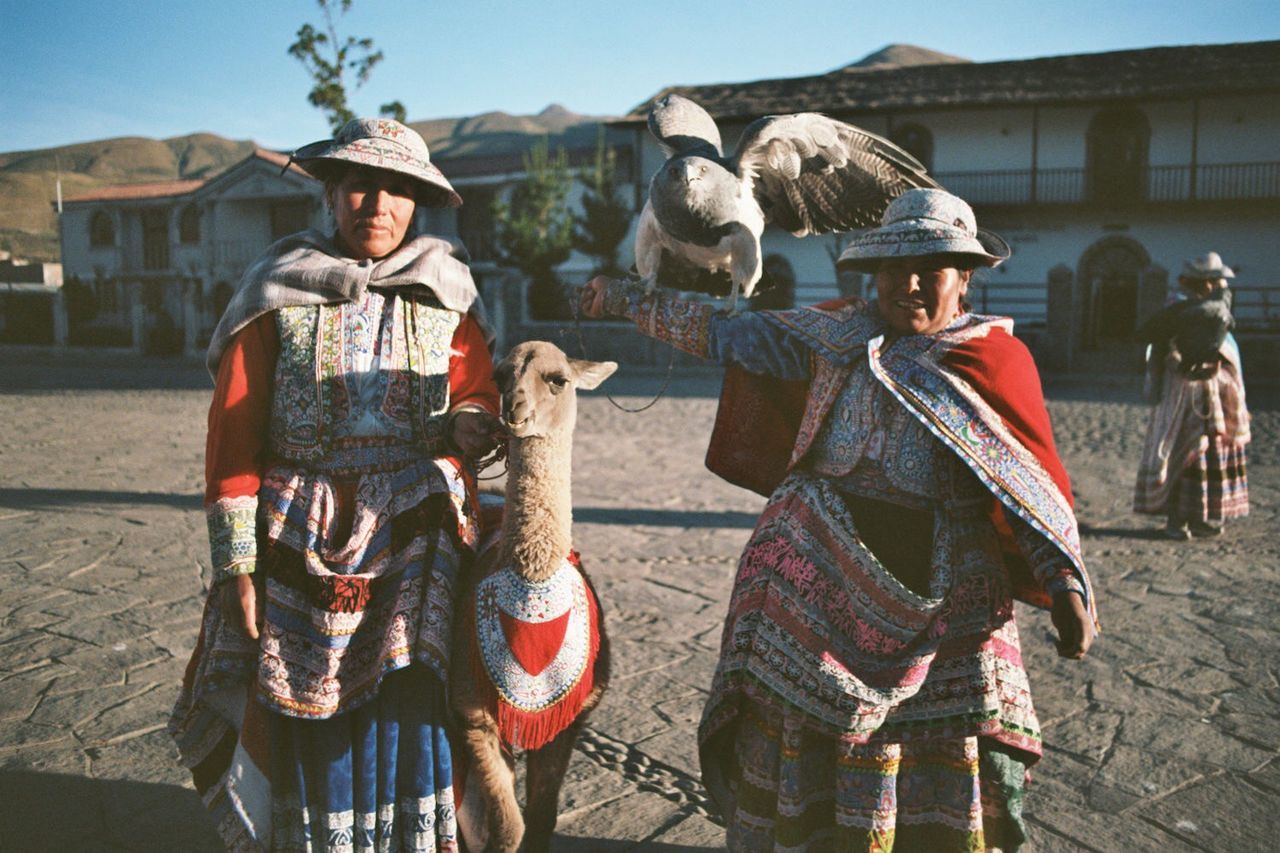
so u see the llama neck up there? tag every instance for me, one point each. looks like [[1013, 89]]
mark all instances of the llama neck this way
[[538, 516]]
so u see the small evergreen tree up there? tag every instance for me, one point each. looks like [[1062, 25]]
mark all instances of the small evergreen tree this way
[[328, 58], [605, 219], [534, 229]]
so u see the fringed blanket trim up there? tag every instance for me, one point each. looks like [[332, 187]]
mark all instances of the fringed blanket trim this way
[[537, 644]]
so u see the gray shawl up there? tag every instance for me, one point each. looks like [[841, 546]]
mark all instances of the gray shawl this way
[[308, 268]]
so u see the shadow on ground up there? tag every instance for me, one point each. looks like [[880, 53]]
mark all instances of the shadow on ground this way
[[1143, 533], [568, 844], [45, 811], [661, 517], [20, 498]]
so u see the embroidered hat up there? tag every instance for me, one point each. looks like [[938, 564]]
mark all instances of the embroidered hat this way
[[924, 222], [382, 143], [1207, 267]]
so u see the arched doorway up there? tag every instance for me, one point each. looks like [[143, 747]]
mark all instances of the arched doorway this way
[[1110, 274]]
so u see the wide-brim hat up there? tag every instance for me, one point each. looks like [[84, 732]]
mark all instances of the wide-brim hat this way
[[381, 143], [1207, 267], [924, 222]]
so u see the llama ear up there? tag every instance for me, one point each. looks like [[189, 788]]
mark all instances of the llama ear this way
[[592, 373]]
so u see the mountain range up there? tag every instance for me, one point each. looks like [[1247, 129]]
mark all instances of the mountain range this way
[[28, 179], [28, 224]]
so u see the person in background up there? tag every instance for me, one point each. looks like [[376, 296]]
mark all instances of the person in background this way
[[1193, 469], [353, 384], [870, 693]]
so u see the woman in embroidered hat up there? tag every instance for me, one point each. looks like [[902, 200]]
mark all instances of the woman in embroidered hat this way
[[1193, 461], [870, 691], [353, 389]]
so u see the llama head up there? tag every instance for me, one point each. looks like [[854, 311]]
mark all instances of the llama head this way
[[538, 384]]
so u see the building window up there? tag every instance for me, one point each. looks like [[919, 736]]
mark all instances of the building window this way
[[917, 141], [102, 231], [155, 239], [289, 217], [189, 225], [475, 224], [1117, 165]]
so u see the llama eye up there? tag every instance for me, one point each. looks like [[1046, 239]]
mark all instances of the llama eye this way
[[558, 383]]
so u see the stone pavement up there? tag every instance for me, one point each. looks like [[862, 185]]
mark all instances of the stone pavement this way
[[1165, 738]]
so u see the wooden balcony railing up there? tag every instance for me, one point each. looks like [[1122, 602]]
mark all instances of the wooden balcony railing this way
[[1185, 183]]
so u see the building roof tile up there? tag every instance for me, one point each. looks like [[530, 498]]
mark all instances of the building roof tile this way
[[1160, 72], [173, 189]]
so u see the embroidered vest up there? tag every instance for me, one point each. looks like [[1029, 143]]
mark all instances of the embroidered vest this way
[[312, 409]]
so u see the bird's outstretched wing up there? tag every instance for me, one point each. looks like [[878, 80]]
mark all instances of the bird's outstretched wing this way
[[812, 174], [683, 127]]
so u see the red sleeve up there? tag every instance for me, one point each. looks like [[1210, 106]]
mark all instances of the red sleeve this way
[[471, 369], [1000, 368], [240, 414]]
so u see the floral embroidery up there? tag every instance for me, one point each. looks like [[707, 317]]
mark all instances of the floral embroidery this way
[[233, 535]]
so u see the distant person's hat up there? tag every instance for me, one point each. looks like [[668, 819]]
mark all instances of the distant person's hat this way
[[1207, 267], [381, 143], [924, 222]]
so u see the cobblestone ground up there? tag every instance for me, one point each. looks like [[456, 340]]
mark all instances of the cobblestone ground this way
[[1166, 738]]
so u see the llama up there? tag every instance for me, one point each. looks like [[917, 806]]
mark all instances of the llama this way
[[531, 658]]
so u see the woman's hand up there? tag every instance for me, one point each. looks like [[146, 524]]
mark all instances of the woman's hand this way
[[240, 605], [591, 297], [1074, 625], [473, 433]]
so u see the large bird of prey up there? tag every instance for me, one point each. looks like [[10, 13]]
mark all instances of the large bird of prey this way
[[806, 173]]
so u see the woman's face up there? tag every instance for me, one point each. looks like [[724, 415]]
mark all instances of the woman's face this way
[[373, 209], [920, 296]]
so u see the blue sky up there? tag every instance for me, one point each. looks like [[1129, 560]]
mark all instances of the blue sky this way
[[76, 70]]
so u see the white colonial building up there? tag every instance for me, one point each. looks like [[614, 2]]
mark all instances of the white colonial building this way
[[161, 260], [1104, 171]]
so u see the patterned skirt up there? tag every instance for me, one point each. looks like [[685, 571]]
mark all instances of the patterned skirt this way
[[847, 711], [1214, 487], [1193, 460], [329, 734], [792, 788]]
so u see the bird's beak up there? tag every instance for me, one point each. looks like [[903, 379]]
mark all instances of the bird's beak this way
[[691, 172]]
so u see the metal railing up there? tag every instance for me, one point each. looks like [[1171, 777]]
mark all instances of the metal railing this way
[[1179, 183], [1256, 308], [236, 254], [480, 243]]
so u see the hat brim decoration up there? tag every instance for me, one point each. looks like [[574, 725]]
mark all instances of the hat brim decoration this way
[[913, 238], [376, 143], [924, 221]]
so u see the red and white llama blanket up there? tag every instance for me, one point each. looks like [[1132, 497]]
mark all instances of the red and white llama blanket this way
[[537, 644]]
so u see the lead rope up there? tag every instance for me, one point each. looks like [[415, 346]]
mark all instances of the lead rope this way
[[582, 348]]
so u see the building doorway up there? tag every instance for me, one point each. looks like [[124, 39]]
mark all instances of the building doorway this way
[[1110, 275]]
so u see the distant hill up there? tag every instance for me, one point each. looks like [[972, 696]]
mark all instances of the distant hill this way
[[28, 224], [901, 56], [498, 133]]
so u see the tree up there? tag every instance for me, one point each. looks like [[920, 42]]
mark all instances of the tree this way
[[605, 219], [534, 228], [328, 58]]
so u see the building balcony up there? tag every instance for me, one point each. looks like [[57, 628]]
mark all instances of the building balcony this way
[[1155, 184]]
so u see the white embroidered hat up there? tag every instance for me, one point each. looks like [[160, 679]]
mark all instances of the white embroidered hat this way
[[1207, 267], [382, 143], [924, 222]]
